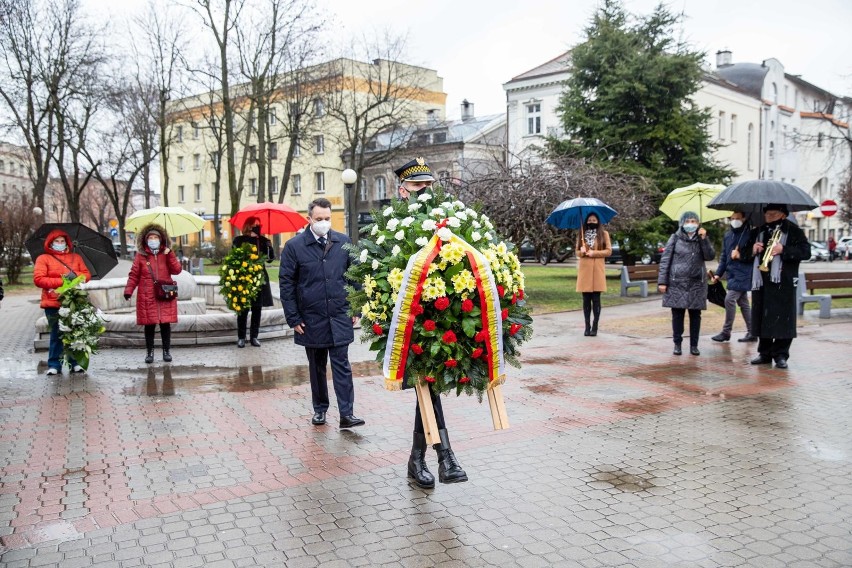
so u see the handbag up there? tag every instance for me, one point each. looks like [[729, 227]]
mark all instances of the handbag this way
[[164, 290], [716, 293]]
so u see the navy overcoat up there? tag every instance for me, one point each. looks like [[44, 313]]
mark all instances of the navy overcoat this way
[[313, 289]]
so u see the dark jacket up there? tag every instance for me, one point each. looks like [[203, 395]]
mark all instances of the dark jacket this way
[[738, 271], [313, 289], [150, 310], [773, 310], [264, 250], [682, 271]]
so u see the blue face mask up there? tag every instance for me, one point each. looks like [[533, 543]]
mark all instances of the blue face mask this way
[[59, 247], [690, 227], [154, 244]]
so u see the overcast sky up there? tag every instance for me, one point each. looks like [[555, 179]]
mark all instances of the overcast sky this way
[[477, 45]]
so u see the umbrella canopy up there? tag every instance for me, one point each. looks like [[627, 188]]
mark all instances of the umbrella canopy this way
[[694, 198], [96, 249], [750, 196], [570, 214], [274, 217], [176, 221]]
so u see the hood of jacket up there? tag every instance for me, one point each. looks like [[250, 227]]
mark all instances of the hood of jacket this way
[[51, 236], [142, 241]]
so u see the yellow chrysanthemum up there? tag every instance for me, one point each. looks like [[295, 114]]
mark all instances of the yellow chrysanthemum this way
[[464, 281], [452, 253], [433, 287], [395, 278]]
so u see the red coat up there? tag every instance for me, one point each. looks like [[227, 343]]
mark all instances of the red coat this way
[[150, 310], [48, 270]]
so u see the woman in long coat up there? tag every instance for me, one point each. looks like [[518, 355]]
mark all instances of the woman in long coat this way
[[59, 260], [593, 247], [683, 278], [251, 234], [153, 261]]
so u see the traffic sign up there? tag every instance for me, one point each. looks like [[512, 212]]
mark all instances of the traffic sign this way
[[828, 208], [113, 232]]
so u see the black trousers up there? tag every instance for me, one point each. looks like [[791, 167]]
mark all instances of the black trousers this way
[[341, 376], [439, 413], [694, 325], [242, 319], [165, 335], [774, 348]]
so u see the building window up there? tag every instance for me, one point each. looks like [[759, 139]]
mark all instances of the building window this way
[[252, 153], [271, 117], [786, 94], [774, 93], [771, 150], [273, 185], [749, 145], [180, 163], [297, 184], [297, 149], [12, 168], [721, 125], [2, 166], [362, 189], [181, 194], [733, 128], [534, 118], [196, 161], [197, 192], [196, 131], [215, 157], [319, 144], [819, 140], [381, 187], [180, 133], [273, 150], [319, 182], [319, 108], [252, 186]]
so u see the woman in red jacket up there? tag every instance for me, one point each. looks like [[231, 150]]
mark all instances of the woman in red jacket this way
[[58, 261], [154, 261]]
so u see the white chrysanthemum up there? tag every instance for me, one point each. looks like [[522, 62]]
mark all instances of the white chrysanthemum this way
[[488, 225], [400, 235], [395, 250], [471, 213], [393, 224], [380, 240], [461, 215], [63, 327], [476, 224], [388, 212], [363, 257], [454, 222], [438, 212], [421, 241], [458, 204], [63, 312], [446, 205], [375, 264], [445, 234], [374, 230], [429, 225], [407, 221], [414, 207], [424, 196], [475, 236]]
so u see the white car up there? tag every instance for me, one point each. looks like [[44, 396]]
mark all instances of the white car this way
[[844, 247]]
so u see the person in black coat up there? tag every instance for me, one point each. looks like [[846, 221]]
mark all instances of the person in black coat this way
[[773, 310], [313, 291], [252, 235], [738, 273]]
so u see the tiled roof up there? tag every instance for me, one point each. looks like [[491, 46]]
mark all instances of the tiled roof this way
[[558, 64]]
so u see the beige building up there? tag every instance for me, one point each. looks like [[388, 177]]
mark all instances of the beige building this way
[[15, 169], [318, 158]]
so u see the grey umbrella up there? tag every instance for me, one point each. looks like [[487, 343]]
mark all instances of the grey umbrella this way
[[750, 196]]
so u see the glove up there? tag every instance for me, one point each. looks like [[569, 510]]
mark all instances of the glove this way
[[127, 297]]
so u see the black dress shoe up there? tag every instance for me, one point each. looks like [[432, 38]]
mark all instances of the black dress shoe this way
[[677, 350], [318, 419], [694, 351], [761, 360], [720, 337], [241, 343], [351, 421], [255, 342], [780, 363], [747, 338]]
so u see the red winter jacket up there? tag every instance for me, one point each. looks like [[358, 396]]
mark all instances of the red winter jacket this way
[[49, 268], [150, 310]]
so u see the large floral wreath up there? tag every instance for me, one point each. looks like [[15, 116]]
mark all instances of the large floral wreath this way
[[441, 296], [241, 277], [80, 322]]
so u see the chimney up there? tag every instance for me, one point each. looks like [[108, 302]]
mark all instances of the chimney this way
[[724, 58], [466, 110]]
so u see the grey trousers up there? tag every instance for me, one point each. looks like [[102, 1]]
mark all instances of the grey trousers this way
[[733, 299]]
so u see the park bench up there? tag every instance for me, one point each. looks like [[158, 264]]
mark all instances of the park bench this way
[[638, 277], [809, 282]]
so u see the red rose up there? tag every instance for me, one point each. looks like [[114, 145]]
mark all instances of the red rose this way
[[449, 337], [429, 325], [480, 336], [505, 313], [521, 294], [429, 379], [442, 303], [450, 363], [464, 380], [477, 353], [467, 305], [514, 298], [417, 349], [500, 290], [377, 329], [416, 309], [513, 329]]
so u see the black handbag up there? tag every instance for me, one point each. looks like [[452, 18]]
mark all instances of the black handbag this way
[[164, 290], [716, 293]]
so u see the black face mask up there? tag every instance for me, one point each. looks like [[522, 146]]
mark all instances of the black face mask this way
[[256, 230], [592, 226]]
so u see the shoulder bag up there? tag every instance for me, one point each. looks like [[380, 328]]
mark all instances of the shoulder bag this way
[[164, 290]]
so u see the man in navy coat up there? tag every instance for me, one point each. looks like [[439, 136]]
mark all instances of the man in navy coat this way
[[313, 291]]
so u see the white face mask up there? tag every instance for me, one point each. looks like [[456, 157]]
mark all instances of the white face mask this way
[[154, 244], [321, 228], [690, 227], [59, 247], [736, 223]]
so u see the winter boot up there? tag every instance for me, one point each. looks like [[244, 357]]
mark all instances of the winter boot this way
[[449, 470], [149, 356], [166, 334], [417, 469]]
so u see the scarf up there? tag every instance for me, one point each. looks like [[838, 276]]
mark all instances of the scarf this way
[[774, 265], [590, 236]]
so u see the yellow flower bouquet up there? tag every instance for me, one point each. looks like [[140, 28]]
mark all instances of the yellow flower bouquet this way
[[241, 277]]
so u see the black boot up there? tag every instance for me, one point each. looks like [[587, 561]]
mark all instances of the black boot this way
[[449, 470], [587, 314], [167, 356], [166, 334], [417, 469], [596, 312], [149, 356]]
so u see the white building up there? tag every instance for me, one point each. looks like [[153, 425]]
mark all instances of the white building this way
[[15, 169]]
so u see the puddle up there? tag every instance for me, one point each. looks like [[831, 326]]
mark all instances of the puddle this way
[[623, 481], [58, 531]]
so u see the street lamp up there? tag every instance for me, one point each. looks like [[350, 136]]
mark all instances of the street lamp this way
[[349, 177]]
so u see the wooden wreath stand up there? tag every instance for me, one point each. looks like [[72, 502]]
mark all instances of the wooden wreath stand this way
[[427, 412]]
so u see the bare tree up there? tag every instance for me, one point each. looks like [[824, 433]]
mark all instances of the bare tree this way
[[95, 208], [17, 221]]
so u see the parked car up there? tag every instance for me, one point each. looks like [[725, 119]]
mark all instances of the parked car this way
[[844, 247], [526, 251], [651, 255], [131, 250], [818, 252]]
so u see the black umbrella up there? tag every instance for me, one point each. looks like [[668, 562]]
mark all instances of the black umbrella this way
[[750, 196], [96, 249]]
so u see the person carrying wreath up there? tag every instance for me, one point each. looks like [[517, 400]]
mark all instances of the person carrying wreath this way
[[251, 234], [593, 247], [154, 261]]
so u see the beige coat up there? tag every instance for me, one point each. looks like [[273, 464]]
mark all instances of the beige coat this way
[[591, 273]]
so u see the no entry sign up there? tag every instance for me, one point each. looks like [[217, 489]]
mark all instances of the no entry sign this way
[[828, 208]]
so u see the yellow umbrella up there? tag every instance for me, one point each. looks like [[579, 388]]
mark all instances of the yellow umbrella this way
[[176, 221], [694, 198]]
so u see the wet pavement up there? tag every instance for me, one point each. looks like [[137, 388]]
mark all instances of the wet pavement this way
[[618, 454]]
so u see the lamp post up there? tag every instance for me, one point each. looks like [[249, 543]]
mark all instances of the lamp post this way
[[349, 177]]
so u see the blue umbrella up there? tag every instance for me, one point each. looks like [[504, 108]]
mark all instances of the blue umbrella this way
[[571, 214]]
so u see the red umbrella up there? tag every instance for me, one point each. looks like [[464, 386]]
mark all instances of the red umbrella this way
[[274, 217]]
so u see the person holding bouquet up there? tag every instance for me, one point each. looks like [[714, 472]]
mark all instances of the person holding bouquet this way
[[251, 234], [593, 247], [153, 264], [59, 263]]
